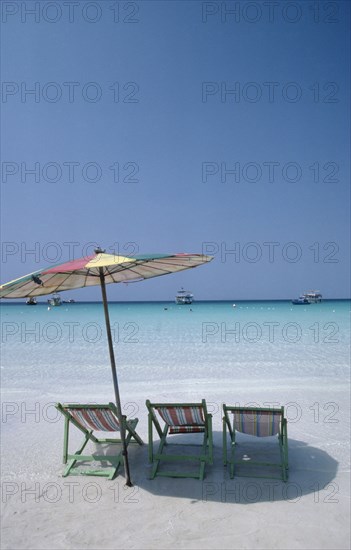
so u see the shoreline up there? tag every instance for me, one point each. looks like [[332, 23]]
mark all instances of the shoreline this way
[[14, 301]]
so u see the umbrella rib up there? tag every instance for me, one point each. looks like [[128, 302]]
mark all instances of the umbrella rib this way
[[125, 269], [68, 275], [108, 272], [86, 277], [159, 270], [165, 264], [89, 273], [58, 286]]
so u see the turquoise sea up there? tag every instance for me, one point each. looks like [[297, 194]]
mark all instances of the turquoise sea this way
[[260, 341]]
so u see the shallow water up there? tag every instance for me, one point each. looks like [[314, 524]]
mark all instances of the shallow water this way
[[261, 341]]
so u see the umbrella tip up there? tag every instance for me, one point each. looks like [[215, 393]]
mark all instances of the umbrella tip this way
[[99, 250]]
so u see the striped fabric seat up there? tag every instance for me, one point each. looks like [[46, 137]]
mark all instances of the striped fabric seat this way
[[99, 419], [186, 429], [258, 423], [183, 419]]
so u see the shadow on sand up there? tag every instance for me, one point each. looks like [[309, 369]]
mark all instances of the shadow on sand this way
[[311, 471]]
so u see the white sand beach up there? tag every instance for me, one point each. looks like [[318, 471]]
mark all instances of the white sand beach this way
[[41, 509]]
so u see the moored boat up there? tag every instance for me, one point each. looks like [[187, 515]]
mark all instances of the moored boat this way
[[184, 297], [55, 300], [310, 297], [31, 301], [313, 296]]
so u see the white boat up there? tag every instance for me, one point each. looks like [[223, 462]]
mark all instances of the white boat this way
[[55, 300], [31, 301], [184, 297], [313, 296], [310, 297]]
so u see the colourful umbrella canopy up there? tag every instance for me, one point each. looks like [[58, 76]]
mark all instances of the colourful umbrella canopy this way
[[86, 272]]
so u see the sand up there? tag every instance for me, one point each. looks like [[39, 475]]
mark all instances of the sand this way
[[41, 509]]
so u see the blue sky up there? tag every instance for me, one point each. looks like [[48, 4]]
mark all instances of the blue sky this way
[[179, 127]]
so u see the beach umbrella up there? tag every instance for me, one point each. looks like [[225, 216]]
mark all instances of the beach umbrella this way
[[101, 269]]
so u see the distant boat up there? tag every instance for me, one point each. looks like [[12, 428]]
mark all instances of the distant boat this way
[[310, 297], [31, 301], [68, 301], [313, 296], [55, 300], [184, 297]]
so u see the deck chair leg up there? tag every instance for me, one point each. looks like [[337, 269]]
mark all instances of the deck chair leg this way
[[283, 453], [79, 452], [202, 470], [150, 440], [159, 452], [203, 458], [285, 441], [207, 449], [210, 440], [114, 472], [130, 426], [65, 440], [233, 455], [282, 461], [224, 443], [285, 448]]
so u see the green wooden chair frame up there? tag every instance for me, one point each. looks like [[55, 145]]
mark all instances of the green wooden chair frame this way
[[90, 418], [187, 418], [258, 422]]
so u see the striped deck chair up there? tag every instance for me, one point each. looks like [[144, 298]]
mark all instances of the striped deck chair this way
[[90, 418], [180, 418], [257, 422]]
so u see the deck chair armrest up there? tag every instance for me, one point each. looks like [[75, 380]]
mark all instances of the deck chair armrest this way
[[284, 427], [226, 422], [153, 419], [115, 411]]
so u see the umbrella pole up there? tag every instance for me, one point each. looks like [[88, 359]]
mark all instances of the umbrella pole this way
[[115, 381]]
